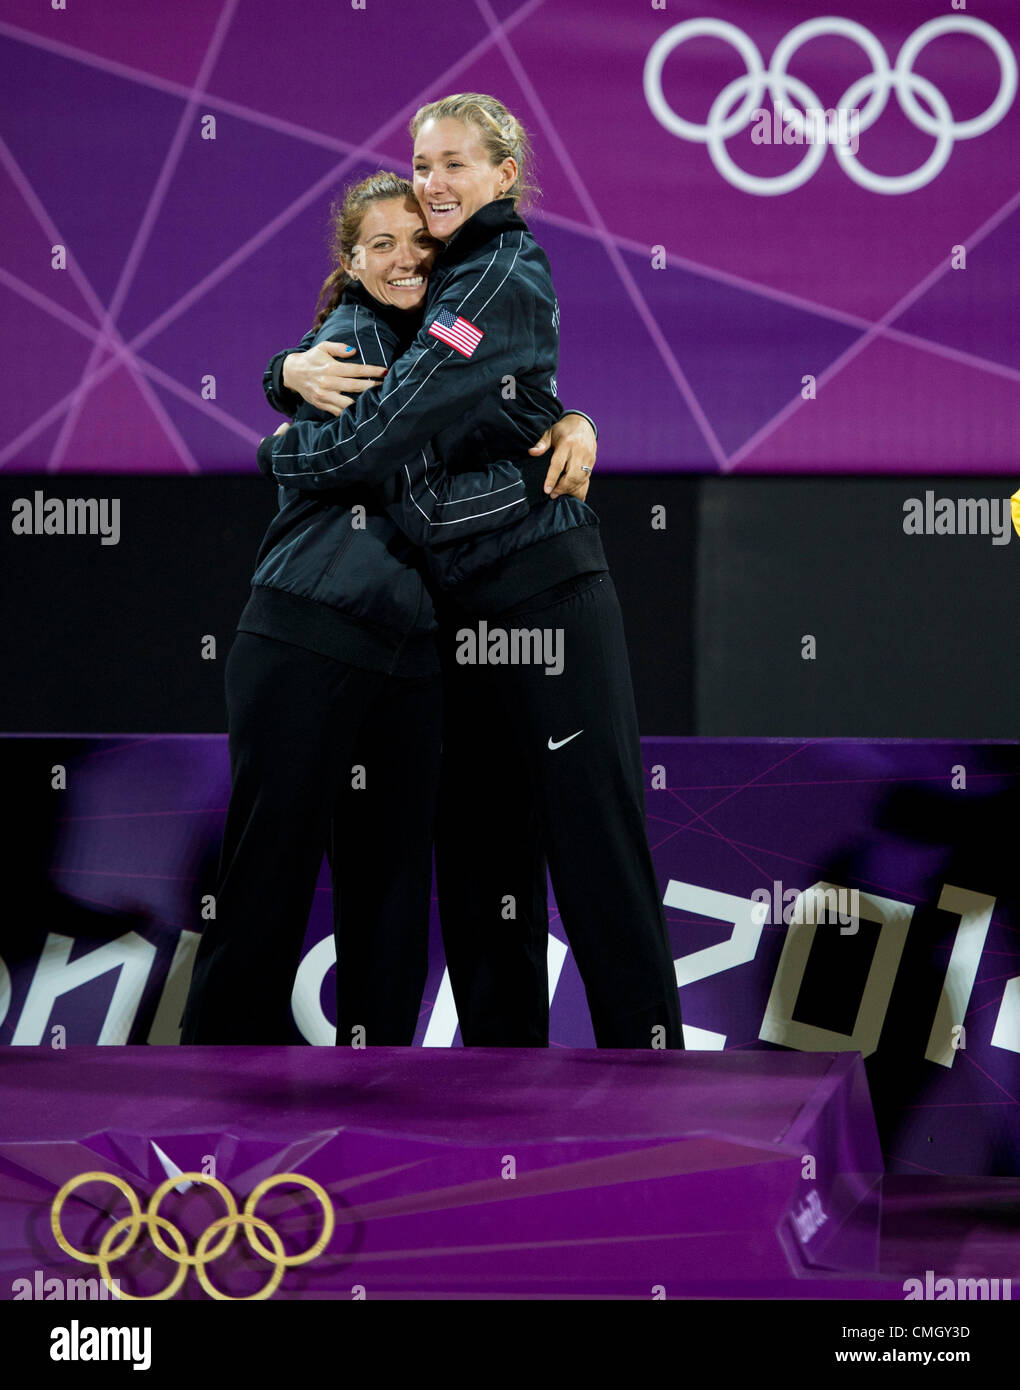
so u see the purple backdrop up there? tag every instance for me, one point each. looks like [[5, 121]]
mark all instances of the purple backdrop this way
[[696, 299], [104, 882]]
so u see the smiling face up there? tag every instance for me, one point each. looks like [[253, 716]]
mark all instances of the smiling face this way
[[453, 177], [394, 254]]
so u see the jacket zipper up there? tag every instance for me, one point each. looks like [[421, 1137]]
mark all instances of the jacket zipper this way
[[407, 635], [340, 552]]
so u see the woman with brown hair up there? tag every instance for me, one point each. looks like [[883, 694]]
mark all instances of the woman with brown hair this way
[[334, 697], [536, 761]]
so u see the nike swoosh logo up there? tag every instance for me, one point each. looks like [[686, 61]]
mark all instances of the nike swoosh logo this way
[[563, 740]]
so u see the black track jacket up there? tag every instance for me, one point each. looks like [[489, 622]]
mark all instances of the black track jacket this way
[[479, 383], [337, 571]]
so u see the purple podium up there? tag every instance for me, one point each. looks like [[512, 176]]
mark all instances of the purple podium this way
[[431, 1173]]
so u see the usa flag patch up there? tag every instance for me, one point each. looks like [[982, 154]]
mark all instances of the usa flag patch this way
[[455, 331]]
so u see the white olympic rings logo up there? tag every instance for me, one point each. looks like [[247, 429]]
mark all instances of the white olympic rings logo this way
[[873, 90]]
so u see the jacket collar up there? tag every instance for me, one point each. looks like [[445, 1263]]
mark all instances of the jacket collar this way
[[495, 217], [403, 323]]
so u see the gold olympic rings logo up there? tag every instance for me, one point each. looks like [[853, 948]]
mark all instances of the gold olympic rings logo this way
[[224, 1226]]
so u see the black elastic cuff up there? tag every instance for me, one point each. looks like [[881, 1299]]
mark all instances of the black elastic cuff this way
[[265, 457], [289, 400], [584, 417]]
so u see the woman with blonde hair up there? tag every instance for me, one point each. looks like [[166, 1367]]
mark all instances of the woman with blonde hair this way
[[539, 760], [334, 694]]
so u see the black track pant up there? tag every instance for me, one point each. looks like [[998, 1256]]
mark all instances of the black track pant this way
[[299, 723], [508, 798]]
